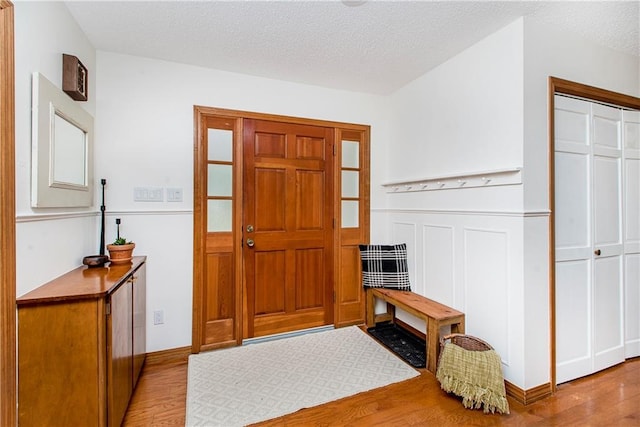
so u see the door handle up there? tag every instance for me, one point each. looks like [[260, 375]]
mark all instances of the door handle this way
[[597, 252], [250, 243]]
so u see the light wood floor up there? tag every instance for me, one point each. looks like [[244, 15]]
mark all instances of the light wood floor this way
[[608, 398]]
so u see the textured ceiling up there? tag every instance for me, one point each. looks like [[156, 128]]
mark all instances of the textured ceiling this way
[[376, 47]]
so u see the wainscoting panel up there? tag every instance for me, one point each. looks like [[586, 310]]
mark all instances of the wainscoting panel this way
[[486, 258], [406, 232], [471, 261], [438, 263]]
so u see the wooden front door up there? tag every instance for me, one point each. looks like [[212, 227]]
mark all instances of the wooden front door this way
[[287, 226], [299, 190]]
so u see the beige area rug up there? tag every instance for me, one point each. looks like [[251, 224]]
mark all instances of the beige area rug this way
[[257, 382]]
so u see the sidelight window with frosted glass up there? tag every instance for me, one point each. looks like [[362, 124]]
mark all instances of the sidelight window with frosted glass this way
[[219, 180], [350, 178]]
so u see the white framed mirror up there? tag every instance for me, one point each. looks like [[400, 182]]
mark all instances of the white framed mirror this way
[[62, 140]]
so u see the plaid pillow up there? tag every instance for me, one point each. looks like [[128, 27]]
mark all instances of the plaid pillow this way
[[385, 266]]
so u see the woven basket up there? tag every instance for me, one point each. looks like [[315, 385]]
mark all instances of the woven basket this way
[[467, 342]]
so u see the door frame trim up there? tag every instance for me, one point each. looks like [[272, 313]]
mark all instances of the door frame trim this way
[[8, 374], [567, 87], [199, 208]]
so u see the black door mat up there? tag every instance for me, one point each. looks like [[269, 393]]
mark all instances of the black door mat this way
[[407, 346]]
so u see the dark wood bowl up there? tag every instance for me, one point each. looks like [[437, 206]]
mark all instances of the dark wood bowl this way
[[95, 260]]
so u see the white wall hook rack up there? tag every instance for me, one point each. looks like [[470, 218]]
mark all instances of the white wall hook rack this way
[[487, 178]]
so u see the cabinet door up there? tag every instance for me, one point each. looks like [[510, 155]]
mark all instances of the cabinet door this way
[[59, 380], [139, 320], [120, 351]]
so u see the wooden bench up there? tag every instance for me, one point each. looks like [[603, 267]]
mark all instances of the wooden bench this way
[[434, 314]]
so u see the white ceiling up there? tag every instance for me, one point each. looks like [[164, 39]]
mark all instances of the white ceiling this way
[[375, 47]]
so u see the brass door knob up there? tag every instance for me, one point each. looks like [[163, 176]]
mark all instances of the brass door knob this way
[[250, 243]]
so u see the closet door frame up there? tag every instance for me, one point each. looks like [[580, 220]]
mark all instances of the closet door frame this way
[[567, 87]]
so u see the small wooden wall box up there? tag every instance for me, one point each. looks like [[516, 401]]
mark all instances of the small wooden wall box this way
[[75, 78]]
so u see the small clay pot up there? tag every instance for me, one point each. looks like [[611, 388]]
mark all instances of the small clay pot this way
[[121, 254]]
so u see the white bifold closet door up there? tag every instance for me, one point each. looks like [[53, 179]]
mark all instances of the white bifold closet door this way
[[596, 218]]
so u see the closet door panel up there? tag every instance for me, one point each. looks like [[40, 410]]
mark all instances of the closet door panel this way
[[589, 189], [607, 312], [631, 237], [632, 306], [573, 214], [608, 249], [573, 333]]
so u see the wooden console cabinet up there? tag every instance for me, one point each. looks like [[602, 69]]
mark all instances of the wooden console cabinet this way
[[81, 346]]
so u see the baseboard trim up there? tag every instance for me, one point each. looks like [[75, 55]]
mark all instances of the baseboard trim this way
[[529, 396], [163, 357]]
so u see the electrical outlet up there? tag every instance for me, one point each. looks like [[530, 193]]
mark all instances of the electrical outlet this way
[[158, 317]]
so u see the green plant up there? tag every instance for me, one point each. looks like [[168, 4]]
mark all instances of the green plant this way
[[121, 241]]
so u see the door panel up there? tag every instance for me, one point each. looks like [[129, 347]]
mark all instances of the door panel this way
[[309, 267], [632, 204], [572, 215], [607, 314], [288, 222], [607, 207], [631, 239], [270, 270], [588, 232], [606, 192], [119, 352], [632, 301], [573, 334], [270, 202], [310, 207]]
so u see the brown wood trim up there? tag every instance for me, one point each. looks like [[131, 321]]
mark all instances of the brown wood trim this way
[[365, 168], [8, 409], [552, 234], [566, 87], [164, 357], [593, 93], [239, 114], [529, 396], [199, 228], [238, 191]]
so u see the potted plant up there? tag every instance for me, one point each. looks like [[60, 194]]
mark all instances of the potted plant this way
[[120, 251]]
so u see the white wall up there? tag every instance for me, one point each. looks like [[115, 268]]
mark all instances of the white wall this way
[[49, 245], [144, 129], [465, 245], [485, 251], [463, 116]]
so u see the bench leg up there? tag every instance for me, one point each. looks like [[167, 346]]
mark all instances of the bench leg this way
[[433, 342], [391, 312], [370, 309]]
